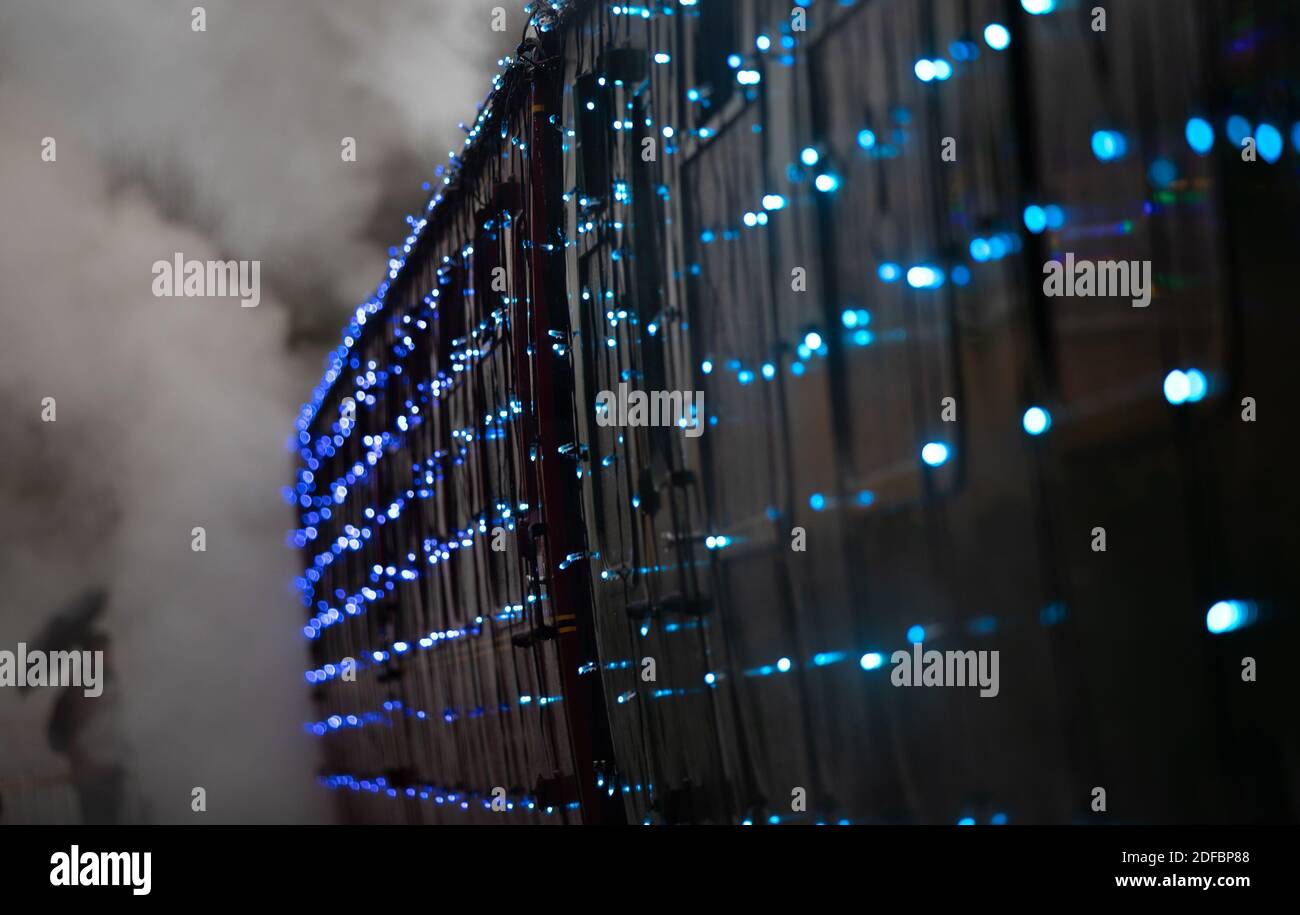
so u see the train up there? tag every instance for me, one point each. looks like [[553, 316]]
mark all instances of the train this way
[[828, 229]]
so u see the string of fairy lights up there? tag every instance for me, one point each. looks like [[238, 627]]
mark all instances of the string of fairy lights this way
[[323, 504]]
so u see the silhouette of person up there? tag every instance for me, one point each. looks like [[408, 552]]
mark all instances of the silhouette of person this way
[[88, 731]]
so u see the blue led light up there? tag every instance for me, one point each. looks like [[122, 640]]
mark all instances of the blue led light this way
[[942, 69], [1055, 216], [1162, 173], [866, 497], [762, 42], [1036, 421], [813, 340], [783, 665], [1200, 136], [826, 182], [826, 658], [1177, 387], [1035, 219], [997, 37], [1197, 385], [1109, 145], [856, 317], [970, 821], [710, 679], [1052, 614], [769, 371], [983, 625], [916, 634], [1238, 129], [1038, 7], [866, 139], [999, 819], [923, 277], [888, 273], [817, 501], [810, 156], [706, 367], [1268, 140], [935, 453], [924, 70], [1229, 616], [1295, 136], [872, 660], [773, 202]]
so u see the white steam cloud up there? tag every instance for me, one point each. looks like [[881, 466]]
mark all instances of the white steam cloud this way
[[173, 413]]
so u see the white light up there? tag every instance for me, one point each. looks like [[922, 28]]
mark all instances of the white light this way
[[997, 37], [1036, 421], [826, 183], [934, 453], [924, 277], [871, 660], [1229, 615]]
